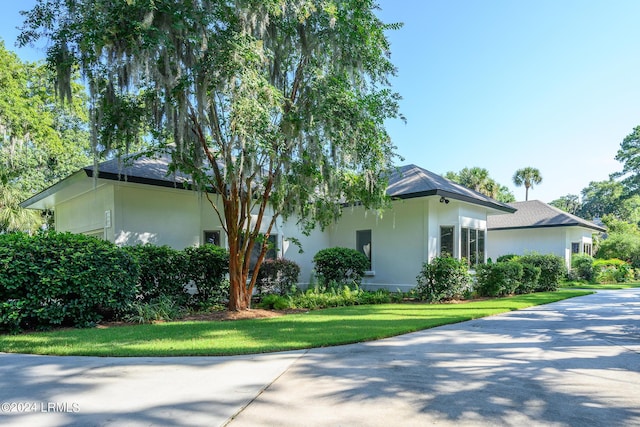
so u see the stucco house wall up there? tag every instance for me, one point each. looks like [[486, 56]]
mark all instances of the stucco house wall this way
[[537, 227], [138, 202]]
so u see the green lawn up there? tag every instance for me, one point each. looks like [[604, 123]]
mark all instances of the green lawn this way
[[296, 331], [603, 286]]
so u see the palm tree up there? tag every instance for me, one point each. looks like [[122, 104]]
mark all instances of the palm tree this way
[[527, 176]]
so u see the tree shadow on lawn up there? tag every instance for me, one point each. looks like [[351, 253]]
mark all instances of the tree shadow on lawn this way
[[573, 363]]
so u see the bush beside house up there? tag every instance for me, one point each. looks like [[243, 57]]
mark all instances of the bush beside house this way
[[56, 279]]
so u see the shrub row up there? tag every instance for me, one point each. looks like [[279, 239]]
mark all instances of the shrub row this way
[[56, 279], [52, 279], [520, 275]]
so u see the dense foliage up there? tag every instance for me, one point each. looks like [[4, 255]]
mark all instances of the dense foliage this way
[[442, 279], [499, 279], [478, 179], [276, 105], [41, 141], [53, 279], [278, 276], [340, 266], [552, 270]]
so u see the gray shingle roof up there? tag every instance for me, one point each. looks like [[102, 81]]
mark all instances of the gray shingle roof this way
[[141, 170], [537, 214], [413, 181]]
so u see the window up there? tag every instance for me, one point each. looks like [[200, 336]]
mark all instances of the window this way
[[575, 248], [363, 244], [446, 241], [472, 245], [212, 237], [586, 249]]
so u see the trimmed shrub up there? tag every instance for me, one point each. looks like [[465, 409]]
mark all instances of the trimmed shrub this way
[[582, 267], [206, 268], [529, 281], [55, 279], [162, 273], [340, 265], [277, 276], [552, 270], [499, 279], [444, 278]]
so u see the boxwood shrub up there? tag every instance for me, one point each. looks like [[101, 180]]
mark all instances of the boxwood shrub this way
[[54, 279]]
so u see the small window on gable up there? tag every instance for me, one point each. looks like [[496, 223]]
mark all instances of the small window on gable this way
[[212, 237], [363, 244]]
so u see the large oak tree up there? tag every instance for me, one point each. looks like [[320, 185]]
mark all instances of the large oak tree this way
[[276, 106]]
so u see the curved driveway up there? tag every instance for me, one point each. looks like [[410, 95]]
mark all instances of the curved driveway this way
[[570, 363]]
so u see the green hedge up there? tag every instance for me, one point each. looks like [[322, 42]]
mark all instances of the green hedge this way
[[53, 279], [162, 273], [206, 268]]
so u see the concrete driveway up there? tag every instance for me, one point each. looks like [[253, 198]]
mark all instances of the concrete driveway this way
[[571, 363]]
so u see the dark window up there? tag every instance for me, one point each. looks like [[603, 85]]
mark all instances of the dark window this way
[[446, 241], [212, 237], [575, 248], [464, 244], [587, 249], [363, 244]]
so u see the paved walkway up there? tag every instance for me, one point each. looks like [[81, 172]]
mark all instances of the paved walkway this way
[[571, 363]]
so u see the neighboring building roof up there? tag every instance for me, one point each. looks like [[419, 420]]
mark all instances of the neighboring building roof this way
[[537, 214], [413, 181]]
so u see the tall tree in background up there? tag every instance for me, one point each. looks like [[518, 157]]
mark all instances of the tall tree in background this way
[[629, 155], [478, 179], [277, 105], [569, 203], [41, 141], [528, 177]]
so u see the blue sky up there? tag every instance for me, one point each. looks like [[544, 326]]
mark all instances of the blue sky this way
[[504, 84]]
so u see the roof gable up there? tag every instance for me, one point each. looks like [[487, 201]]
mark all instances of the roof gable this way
[[537, 214]]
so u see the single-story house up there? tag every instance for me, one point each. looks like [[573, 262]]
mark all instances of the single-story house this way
[[141, 202], [540, 228]]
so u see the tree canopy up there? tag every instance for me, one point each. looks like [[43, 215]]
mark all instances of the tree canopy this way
[[277, 105], [41, 141], [478, 179], [528, 177]]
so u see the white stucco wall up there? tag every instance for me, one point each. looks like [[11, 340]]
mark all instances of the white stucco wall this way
[[552, 240], [85, 213], [404, 237]]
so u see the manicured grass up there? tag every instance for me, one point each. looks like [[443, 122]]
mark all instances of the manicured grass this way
[[296, 331], [603, 286]]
